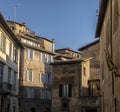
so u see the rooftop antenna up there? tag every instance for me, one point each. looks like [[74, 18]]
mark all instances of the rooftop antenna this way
[[15, 12]]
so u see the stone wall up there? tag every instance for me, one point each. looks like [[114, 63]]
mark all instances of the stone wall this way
[[66, 74]]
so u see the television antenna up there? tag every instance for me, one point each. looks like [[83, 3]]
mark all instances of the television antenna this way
[[15, 11]]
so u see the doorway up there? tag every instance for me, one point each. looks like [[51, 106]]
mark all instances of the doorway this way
[[90, 110]]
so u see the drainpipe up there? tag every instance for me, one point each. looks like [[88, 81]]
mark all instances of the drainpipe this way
[[111, 44]]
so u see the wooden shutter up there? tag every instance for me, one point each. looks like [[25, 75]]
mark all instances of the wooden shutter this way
[[70, 90], [60, 90]]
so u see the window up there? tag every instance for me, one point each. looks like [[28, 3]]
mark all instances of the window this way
[[10, 50], [30, 42], [3, 42], [30, 54], [30, 75], [23, 40], [42, 94], [14, 80], [65, 90], [49, 77], [30, 93], [92, 90], [43, 57], [49, 58], [15, 54], [84, 70], [1, 72], [9, 75], [41, 78]]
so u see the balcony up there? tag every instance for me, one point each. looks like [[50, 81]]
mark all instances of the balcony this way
[[90, 101], [5, 87]]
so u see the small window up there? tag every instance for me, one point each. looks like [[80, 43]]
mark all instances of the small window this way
[[30, 54], [15, 54], [3, 42], [15, 81], [84, 70], [30, 92], [10, 50], [42, 78], [23, 40], [65, 90], [30, 75], [43, 94], [9, 75]]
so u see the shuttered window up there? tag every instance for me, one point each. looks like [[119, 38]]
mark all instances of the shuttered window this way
[[65, 90]]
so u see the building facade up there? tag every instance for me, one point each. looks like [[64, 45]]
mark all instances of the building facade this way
[[92, 50], [70, 82], [36, 78], [108, 29], [92, 100], [9, 68]]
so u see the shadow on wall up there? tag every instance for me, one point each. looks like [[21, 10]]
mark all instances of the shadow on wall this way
[[34, 99]]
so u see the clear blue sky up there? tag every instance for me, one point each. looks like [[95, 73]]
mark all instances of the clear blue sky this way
[[72, 23]]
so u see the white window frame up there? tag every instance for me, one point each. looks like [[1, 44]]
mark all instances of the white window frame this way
[[28, 75], [30, 54], [41, 76]]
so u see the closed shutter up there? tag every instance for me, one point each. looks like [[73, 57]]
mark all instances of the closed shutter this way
[[60, 90], [70, 90]]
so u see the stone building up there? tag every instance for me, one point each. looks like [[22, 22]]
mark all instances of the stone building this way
[[92, 101], [36, 78], [70, 81], [66, 54], [92, 50], [9, 68], [108, 30]]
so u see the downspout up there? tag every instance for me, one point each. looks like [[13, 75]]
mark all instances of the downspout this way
[[111, 44]]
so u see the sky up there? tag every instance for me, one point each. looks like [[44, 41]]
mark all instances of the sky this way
[[72, 23]]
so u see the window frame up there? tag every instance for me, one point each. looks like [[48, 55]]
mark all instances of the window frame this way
[[65, 90], [28, 75]]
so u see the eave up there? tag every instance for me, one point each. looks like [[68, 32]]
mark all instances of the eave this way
[[101, 16]]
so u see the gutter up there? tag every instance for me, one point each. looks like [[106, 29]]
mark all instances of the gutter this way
[[101, 16]]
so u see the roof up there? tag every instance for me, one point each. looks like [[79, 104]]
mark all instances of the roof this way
[[67, 62], [69, 49], [22, 24], [89, 45], [7, 28], [46, 39], [31, 32], [101, 15], [38, 49]]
